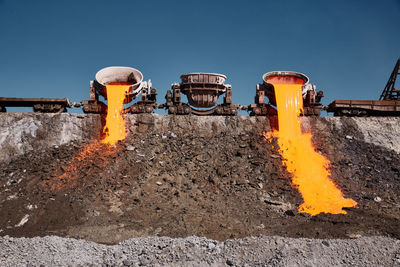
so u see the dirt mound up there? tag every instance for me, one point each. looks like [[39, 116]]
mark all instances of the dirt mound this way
[[171, 177]]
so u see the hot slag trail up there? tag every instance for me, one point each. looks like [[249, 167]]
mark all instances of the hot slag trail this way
[[310, 170]]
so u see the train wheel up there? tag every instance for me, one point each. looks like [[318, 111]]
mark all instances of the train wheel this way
[[340, 112]]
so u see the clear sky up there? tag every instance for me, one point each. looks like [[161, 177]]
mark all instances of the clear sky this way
[[54, 48]]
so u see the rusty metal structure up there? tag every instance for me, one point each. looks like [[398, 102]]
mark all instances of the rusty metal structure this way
[[387, 105], [365, 107], [43, 105], [311, 99], [202, 91], [146, 104], [390, 92]]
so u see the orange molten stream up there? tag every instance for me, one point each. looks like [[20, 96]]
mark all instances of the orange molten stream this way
[[114, 129], [309, 168]]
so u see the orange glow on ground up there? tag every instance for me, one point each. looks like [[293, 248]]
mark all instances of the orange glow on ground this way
[[310, 169], [69, 175], [114, 129]]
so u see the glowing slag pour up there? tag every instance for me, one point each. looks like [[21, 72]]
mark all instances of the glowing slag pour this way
[[114, 129], [309, 168]]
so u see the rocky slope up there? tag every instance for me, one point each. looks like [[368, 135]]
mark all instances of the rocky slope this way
[[179, 176]]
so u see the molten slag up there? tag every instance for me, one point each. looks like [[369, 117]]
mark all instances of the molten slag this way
[[114, 129], [310, 169]]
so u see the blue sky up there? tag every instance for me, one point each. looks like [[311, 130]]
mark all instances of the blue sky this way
[[53, 48]]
